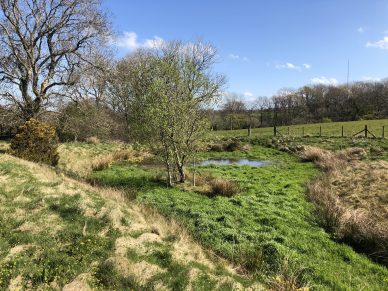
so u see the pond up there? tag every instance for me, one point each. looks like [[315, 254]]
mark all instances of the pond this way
[[239, 162]]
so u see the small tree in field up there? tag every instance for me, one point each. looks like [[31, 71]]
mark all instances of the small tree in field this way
[[168, 110]]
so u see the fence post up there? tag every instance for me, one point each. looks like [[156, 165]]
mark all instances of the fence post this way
[[274, 130], [320, 131], [249, 131], [366, 130], [342, 131]]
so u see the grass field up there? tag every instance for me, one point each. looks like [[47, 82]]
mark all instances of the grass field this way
[[332, 129], [269, 227], [269, 230], [58, 233]]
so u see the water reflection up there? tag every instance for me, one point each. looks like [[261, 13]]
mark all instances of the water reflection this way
[[239, 162]]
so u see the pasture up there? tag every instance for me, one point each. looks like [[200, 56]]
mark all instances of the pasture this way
[[267, 235]]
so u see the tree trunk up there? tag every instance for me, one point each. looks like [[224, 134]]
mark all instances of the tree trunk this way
[[182, 175], [169, 175]]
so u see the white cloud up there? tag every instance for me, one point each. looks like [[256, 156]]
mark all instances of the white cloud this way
[[248, 94], [381, 44], [234, 57], [237, 57], [324, 81], [129, 40], [361, 29], [291, 66]]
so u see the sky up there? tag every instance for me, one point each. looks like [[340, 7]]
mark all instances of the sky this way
[[265, 46]]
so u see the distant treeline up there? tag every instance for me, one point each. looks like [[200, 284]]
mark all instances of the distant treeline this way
[[309, 104], [101, 117]]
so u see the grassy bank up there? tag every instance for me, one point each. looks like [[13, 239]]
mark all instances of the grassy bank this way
[[269, 227], [59, 234]]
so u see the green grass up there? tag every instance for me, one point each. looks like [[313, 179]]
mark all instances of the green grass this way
[[63, 229], [269, 222], [51, 257], [328, 129]]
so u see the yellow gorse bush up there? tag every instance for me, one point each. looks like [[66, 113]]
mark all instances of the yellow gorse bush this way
[[36, 141]]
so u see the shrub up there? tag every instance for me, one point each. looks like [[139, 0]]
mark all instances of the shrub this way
[[223, 187], [326, 120], [83, 119], [36, 142]]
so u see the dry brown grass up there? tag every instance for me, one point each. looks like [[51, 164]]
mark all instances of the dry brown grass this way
[[223, 187], [351, 199], [211, 186], [102, 162]]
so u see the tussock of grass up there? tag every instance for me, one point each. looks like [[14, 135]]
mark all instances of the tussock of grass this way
[[211, 186], [102, 162], [223, 187]]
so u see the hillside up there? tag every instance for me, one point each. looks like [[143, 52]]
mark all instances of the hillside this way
[[58, 233]]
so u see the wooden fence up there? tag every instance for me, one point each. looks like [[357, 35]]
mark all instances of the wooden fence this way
[[365, 132]]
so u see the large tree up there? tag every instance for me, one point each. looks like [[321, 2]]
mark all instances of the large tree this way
[[43, 46]]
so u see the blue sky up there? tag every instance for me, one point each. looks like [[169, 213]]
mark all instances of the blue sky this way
[[264, 46]]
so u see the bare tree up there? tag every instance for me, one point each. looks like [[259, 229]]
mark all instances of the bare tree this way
[[232, 106], [93, 80], [44, 43]]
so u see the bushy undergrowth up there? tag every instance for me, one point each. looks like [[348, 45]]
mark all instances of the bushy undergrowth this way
[[37, 142]]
